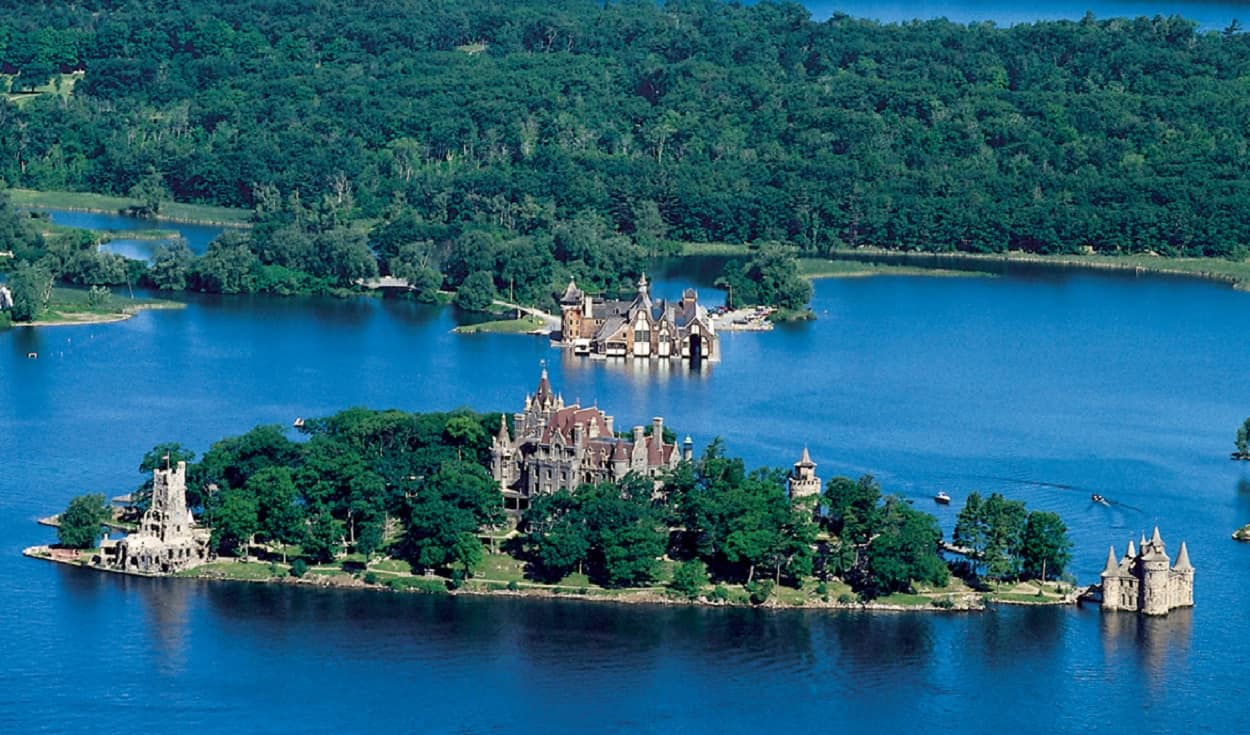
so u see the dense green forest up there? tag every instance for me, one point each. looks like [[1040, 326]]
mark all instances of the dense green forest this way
[[415, 487], [535, 140]]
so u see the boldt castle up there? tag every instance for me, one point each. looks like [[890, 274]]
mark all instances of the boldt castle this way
[[558, 446]]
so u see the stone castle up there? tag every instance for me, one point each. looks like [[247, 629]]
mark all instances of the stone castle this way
[[1142, 581], [638, 328], [167, 540], [558, 446], [803, 482]]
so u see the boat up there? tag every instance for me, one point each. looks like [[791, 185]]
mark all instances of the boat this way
[[942, 498], [1099, 499], [298, 422]]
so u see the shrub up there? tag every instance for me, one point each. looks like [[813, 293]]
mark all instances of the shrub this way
[[299, 568], [759, 591], [719, 593], [513, 586], [944, 603], [845, 599], [371, 577]]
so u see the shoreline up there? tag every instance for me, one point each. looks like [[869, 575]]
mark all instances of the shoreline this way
[[1235, 274], [88, 318], [963, 602]]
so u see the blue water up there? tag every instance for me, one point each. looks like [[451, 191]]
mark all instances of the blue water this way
[[1210, 16], [1045, 386]]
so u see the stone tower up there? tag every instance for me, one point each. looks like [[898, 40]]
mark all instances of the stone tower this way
[[168, 540], [803, 482], [1154, 572], [168, 518]]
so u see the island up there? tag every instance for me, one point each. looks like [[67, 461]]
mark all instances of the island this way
[[554, 500]]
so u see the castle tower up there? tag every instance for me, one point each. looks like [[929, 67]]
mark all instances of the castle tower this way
[[572, 312], [168, 518], [803, 482], [501, 455], [1182, 579], [1154, 564]]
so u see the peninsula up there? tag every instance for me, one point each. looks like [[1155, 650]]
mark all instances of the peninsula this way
[[552, 501]]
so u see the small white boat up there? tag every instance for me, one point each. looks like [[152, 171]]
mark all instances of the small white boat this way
[[942, 498], [298, 422]]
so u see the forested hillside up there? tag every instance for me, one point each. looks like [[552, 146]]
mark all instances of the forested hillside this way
[[552, 124]]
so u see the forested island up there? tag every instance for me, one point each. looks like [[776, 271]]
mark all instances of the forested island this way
[[513, 146], [405, 501]]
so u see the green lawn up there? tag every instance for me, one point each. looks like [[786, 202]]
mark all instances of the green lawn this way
[[230, 569], [395, 566], [21, 98], [84, 201], [525, 324]]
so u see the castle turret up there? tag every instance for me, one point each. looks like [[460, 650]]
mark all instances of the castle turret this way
[[1182, 581], [803, 481], [1111, 582], [1154, 565]]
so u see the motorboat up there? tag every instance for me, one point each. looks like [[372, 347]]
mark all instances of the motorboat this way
[[942, 498]]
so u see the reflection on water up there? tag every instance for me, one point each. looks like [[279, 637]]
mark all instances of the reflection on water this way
[[1156, 648]]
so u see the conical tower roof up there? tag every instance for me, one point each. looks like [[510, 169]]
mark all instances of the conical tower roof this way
[[806, 459], [1182, 560], [1112, 567], [1131, 551], [572, 294], [503, 436]]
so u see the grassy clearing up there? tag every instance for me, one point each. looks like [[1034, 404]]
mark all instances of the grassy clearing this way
[[70, 306], [231, 569], [61, 85], [87, 202], [824, 268], [714, 248], [501, 567], [523, 325], [394, 566]]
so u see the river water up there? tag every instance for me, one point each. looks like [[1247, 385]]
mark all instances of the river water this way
[[1044, 385], [1210, 15]]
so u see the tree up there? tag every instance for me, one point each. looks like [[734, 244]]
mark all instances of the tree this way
[[234, 514], [79, 525], [1243, 440], [477, 293], [1004, 521], [279, 514], [150, 190], [689, 579], [558, 540], [324, 537], [972, 529], [31, 287], [771, 278], [1046, 549], [455, 502], [229, 267], [171, 265], [905, 550]]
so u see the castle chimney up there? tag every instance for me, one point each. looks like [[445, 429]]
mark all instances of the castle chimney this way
[[657, 430], [639, 436]]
